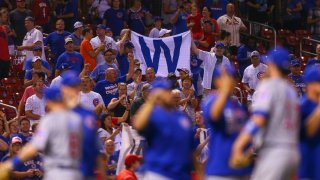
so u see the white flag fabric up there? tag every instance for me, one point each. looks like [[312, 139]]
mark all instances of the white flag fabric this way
[[205, 152], [165, 55], [131, 143]]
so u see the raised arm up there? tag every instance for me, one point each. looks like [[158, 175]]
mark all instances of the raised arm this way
[[131, 67]]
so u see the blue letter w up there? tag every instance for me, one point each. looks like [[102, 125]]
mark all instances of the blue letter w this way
[[154, 62]]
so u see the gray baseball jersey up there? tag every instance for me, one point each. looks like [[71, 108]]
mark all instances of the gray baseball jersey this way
[[59, 137], [278, 100]]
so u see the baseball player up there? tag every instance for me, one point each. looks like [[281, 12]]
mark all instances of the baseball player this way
[[169, 135], [58, 137], [226, 117], [310, 126], [70, 87], [276, 114]]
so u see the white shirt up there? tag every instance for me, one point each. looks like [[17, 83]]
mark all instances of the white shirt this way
[[252, 76], [109, 43], [154, 33], [36, 105], [232, 25], [90, 100], [209, 63], [56, 81], [33, 36]]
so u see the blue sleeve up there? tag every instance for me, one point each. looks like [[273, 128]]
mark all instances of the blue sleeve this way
[[94, 73], [46, 65], [28, 75], [59, 62], [47, 40], [242, 54], [28, 65], [105, 15], [122, 79], [97, 88]]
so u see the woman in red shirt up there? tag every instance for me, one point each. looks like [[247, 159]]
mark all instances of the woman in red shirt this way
[[206, 15]]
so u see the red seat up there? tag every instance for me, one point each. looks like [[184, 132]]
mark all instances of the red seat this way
[[3, 94], [284, 33], [267, 33], [302, 33], [11, 80], [292, 41]]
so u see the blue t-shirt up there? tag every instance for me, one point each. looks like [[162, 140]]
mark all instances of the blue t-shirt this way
[[34, 163], [136, 20], [309, 146], [76, 40], [170, 144], [181, 25], [312, 62], [123, 63], [109, 90], [218, 8], [99, 72], [75, 61], [113, 159], [115, 20], [28, 64], [90, 141], [56, 43], [292, 5], [224, 133]]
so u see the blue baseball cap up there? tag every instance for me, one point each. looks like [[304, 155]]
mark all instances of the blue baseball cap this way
[[312, 74], [161, 83], [70, 78], [295, 62], [52, 94], [219, 44], [37, 48], [65, 66], [279, 57], [101, 26], [128, 44], [229, 69]]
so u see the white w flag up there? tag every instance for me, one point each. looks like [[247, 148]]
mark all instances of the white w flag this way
[[131, 143], [165, 55]]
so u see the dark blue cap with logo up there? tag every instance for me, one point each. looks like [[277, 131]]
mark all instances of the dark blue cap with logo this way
[[219, 44], [157, 18], [101, 26], [312, 74], [65, 66], [70, 78], [279, 57], [37, 48], [295, 62], [52, 94]]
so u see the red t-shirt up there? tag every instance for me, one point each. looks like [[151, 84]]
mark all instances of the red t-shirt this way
[[197, 23], [208, 37], [126, 175], [4, 49], [41, 11]]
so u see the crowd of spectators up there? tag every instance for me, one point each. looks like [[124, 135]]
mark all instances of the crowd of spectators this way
[[92, 38]]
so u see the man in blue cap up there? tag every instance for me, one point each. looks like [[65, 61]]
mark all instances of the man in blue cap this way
[[310, 129], [210, 62], [37, 51], [58, 137], [70, 87], [275, 112], [296, 77], [101, 38], [168, 131]]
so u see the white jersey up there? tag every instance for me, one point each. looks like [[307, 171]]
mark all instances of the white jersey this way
[[59, 138], [108, 42], [209, 64], [231, 25], [90, 100], [278, 100], [252, 75], [36, 105], [56, 81], [33, 36]]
